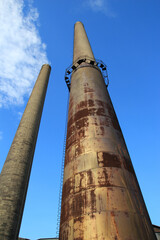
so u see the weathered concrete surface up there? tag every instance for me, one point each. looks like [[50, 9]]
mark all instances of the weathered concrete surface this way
[[101, 197], [81, 43], [15, 174]]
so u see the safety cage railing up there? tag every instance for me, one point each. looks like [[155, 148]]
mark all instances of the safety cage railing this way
[[97, 63]]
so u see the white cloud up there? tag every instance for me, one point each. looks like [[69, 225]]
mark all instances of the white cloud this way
[[96, 3], [1, 135], [100, 6], [21, 51]]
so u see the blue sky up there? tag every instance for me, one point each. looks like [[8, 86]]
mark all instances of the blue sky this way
[[125, 35]]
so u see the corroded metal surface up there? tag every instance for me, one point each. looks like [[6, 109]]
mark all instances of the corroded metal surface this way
[[101, 196], [15, 174]]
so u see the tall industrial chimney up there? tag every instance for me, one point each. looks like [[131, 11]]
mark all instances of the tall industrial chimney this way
[[101, 197], [15, 174]]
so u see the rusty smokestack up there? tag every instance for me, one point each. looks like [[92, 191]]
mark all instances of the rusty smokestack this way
[[101, 197], [15, 174]]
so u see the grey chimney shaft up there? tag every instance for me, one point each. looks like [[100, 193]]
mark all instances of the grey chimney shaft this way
[[15, 174]]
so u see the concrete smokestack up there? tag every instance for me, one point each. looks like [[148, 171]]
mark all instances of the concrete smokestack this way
[[81, 44], [101, 197], [15, 174]]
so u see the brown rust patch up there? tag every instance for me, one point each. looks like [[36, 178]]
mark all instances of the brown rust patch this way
[[88, 89], [89, 178], [81, 114], [90, 103], [126, 214], [95, 121], [108, 160], [83, 181], [86, 180], [113, 214], [100, 103], [115, 225], [85, 104], [71, 103], [66, 209], [81, 133], [66, 158], [83, 201], [79, 219], [64, 234], [113, 117], [100, 112], [128, 165], [68, 188], [78, 228], [70, 131], [84, 113], [70, 141], [79, 204], [92, 111], [105, 122], [93, 203], [69, 155], [70, 121], [103, 180], [100, 131], [79, 149], [82, 104], [82, 123], [90, 95]]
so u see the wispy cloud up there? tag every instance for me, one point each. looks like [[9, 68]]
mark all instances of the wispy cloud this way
[[1, 135], [96, 3], [100, 6], [21, 51], [20, 115]]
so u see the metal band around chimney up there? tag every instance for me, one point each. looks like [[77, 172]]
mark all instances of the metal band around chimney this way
[[91, 63]]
